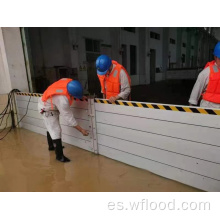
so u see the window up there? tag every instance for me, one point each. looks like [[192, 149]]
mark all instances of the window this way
[[92, 45], [154, 35], [172, 41], [129, 29], [133, 58], [184, 45]]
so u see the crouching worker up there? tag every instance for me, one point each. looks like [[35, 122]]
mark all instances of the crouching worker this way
[[56, 100]]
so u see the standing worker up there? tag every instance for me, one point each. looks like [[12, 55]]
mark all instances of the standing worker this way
[[114, 79], [56, 100], [208, 83]]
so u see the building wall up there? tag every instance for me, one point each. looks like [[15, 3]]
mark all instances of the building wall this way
[[157, 45], [12, 68], [172, 47], [15, 58], [143, 59], [192, 51], [106, 36], [50, 47], [5, 82], [216, 33], [183, 49], [113, 37], [130, 38]]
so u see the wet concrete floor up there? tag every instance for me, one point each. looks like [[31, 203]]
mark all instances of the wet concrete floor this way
[[26, 165]]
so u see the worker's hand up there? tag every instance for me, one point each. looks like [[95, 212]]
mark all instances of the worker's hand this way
[[84, 132], [113, 99]]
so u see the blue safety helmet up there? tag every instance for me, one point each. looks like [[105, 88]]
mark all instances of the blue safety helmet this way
[[217, 50], [103, 63], [75, 89]]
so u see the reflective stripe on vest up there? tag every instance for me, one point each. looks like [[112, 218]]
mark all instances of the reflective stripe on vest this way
[[111, 84], [212, 93], [58, 88]]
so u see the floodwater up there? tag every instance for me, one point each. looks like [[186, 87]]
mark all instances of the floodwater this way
[[26, 165]]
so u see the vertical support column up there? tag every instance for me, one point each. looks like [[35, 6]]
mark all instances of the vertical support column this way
[[196, 48], [202, 52], [188, 47], [147, 55], [27, 57], [142, 57], [92, 121], [178, 47], [165, 51]]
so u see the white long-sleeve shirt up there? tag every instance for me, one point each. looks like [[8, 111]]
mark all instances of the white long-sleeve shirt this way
[[199, 88], [125, 88], [60, 103]]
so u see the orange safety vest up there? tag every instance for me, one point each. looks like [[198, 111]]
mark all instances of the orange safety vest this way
[[111, 84], [209, 63], [212, 93], [58, 88]]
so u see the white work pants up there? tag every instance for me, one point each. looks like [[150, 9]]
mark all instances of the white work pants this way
[[52, 123]]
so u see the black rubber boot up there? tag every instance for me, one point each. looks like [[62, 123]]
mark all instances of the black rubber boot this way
[[50, 142], [59, 151]]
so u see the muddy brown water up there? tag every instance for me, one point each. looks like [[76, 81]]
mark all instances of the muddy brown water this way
[[26, 165]]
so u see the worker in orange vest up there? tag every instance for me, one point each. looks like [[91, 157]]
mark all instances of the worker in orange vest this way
[[56, 100], [208, 83], [114, 79]]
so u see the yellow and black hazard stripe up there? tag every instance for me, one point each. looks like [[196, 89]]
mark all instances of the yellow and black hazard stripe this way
[[162, 107], [29, 94], [40, 95]]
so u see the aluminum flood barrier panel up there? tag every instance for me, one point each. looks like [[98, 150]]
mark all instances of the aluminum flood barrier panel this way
[[177, 142]]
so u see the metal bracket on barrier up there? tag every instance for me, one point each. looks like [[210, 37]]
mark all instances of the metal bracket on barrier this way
[[92, 121]]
